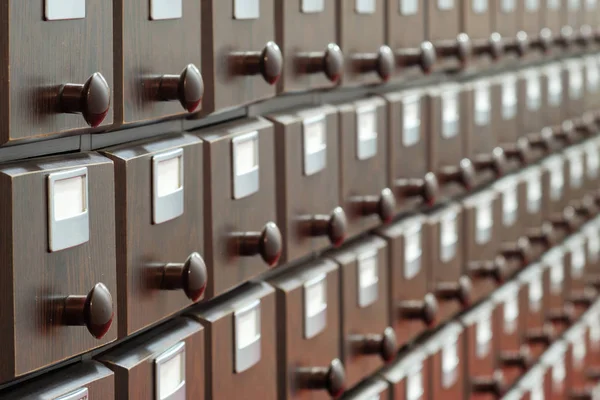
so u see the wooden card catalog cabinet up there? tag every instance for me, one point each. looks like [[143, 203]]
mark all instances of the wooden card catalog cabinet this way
[[363, 137], [88, 380], [308, 332], [164, 364], [447, 362], [409, 376], [241, 343], [368, 340], [313, 59], [241, 62], [159, 264], [307, 162], [158, 43], [362, 36], [477, 23], [68, 48], [239, 171], [58, 243], [413, 55]]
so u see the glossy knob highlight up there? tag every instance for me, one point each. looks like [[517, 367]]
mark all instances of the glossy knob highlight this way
[[331, 378], [424, 56], [266, 243], [463, 174], [91, 100], [382, 62], [95, 311], [334, 226], [427, 188], [460, 291], [424, 310], [190, 276], [329, 62], [268, 62], [383, 205], [187, 87], [383, 345]]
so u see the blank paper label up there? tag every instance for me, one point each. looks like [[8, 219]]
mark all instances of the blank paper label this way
[[536, 293], [412, 122], [450, 115], [412, 252], [534, 92], [483, 105], [409, 7], [509, 98], [365, 6], [247, 328], [445, 4], [246, 9], [553, 4], [479, 6], [246, 157], [554, 87], [69, 197], [448, 237], [171, 375], [511, 314], [316, 298], [169, 176], [559, 374], [534, 194], [557, 276], [510, 206], [414, 384], [532, 5], [484, 336], [450, 363], [64, 9], [484, 223], [166, 9], [508, 5], [313, 6]]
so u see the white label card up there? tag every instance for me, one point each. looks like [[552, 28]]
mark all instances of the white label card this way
[[593, 244], [246, 159], [166, 9], [314, 136], [537, 391], [575, 82], [409, 7], [450, 114], [557, 182], [510, 206], [479, 6], [579, 352], [246, 9], [448, 237], [171, 375], [64, 9], [592, 74], [554, 87], [484, 223], [534, 92], [509, 98], [368, 279], [414, 384], [367, 132], [574, 5], [483, 105], [169, 177], [557, 276], [592, 161], [411, 133], [313, 6], [412, 252], [532, 5], [450, 361], [594, 332], [484, 335], [576, 170], [247, 328], [316, 298], [559, 373], [591, 4], [553, 4], [511, 314], [69, 197], [365, 6], [577, 260], [536, 294], [534, 194], [445, 4], [508, 5]]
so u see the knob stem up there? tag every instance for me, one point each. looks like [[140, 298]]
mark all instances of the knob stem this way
[[427, 188], [383, 205], [455, 291], [268, 243], [424, 310], [543, 336]]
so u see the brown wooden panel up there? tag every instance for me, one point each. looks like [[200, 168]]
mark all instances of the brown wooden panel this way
[[354, 167], [296, 189], [97, 379], [150, 49], [442, 23], [369, 318], [134, 362], [296, 350], [36, 281], [553, 14], [360, 34], [297, 41], [505, 17], [228, 216], [40, 56], [218, 318], [530, 16], [223, 35], [145, 247]]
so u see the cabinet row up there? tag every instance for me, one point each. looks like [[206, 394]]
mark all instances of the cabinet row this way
[[100, 246], [328, 325], [116, 63]]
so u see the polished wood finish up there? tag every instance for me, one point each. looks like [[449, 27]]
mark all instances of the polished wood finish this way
[[296, 199], [227, 215], [144, 248], [40, 56], [295, 351], [222, 34], [356, 320], [134, 362], [97, 379], [260, 380], [145, 50], [36, 281]]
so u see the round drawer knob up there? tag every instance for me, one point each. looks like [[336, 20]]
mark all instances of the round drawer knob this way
[[544, 336], [565, 221], [426, 188], [329, 62], [544, 236], [190, 276], [268, 62], [496, 270], [460, 291], [461, 48], [187, 87], [463, 174], [521, 359], [565, 133], [381, 62], [95, 310], [334, 226], [425, 310], [493, 385], [384, 345], [586, 125], [331, 378], [383, 205], [423, 56], [563, 316], [542, 141], [544, 41], [266, 243], [494, 162], [520, 250], [519, 45], [493, 46], [91, 100], [585, 36], [519, 151], [586, 207], [566, 37], [583, 298]]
